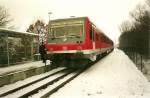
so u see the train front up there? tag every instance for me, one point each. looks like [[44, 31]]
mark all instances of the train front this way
[[65, 41]]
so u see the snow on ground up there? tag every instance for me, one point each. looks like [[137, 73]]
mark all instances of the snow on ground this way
[[115, 76], [21, 67]]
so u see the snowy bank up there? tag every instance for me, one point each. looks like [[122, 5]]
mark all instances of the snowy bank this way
[[114, 75]]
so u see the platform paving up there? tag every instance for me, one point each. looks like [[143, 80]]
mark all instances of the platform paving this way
[[15, 73]]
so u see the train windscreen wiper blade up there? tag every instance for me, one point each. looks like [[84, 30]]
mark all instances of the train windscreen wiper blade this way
[[73, 35]]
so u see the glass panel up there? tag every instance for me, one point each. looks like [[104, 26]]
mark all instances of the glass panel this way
[[15, 50], [3, 51], [66, 32]]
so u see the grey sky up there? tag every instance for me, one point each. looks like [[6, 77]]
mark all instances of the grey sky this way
[[105, 14]]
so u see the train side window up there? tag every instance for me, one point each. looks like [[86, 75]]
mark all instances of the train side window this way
[[97, 37], [93, 34]]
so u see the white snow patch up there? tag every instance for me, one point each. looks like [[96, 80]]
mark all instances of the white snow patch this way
[[115, 76]]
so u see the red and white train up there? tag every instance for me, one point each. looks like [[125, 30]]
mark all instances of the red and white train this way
[[75, 42]]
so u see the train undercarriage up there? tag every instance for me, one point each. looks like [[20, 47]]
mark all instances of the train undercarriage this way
[[69, 60], [75, 60]]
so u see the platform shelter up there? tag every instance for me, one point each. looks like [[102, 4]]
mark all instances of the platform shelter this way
[[17, 47]]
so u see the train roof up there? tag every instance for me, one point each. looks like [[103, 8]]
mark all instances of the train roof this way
[[81, 18], [16, 33], [70, 18]]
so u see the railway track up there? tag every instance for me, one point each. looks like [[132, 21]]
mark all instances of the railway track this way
[[52, 89], [8, 91], [47, 84]]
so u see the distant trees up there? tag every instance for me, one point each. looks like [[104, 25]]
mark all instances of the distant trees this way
[[135, 33], [39, 27], [4, 17], [36, 27]]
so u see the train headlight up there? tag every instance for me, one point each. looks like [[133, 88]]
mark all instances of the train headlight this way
[[79, 48], [51, 50], [65, 48]]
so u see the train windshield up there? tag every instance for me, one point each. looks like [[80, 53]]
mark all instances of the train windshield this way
[[66, 32]]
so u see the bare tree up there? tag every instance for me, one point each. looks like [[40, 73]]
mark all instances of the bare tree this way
[[4, 17], [125, 26], [148, 2], [39, 27], [136, 34]]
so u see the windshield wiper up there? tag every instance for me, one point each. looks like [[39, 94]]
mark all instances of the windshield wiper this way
[[72, 35]]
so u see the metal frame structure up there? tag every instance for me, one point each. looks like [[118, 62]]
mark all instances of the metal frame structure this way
[[11, 33]]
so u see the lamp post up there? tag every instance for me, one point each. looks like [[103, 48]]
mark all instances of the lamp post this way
[[72, 16], [49, 26]]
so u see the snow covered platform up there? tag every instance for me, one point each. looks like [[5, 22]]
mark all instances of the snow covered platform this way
[[115, 76], [19, 72]]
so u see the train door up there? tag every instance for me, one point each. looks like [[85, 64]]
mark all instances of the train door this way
[[92, 36]]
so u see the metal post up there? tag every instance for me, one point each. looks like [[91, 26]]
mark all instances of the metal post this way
[[149, 33], [141, 63], [49, 25], [7, 50], [32, 48]]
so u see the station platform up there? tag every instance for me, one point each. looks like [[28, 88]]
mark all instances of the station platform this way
[[15, 73]]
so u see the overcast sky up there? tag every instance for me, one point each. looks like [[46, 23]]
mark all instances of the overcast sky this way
[[107, 15]]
